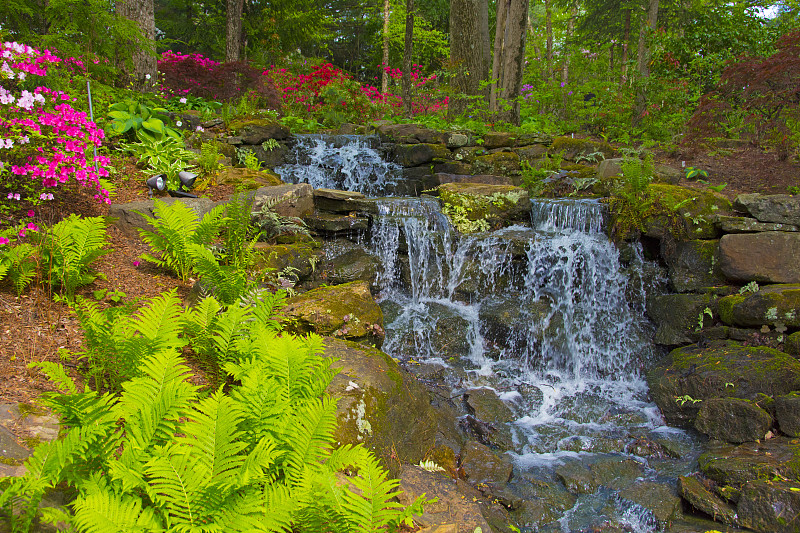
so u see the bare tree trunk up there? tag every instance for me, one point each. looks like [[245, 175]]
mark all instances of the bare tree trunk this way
[[509, 59], [233, 29], [407, 58], [611, 57], [570, 31], [548, 28], [625, 40], [643, 59], [469, 52], [144, 73], [385, 64]]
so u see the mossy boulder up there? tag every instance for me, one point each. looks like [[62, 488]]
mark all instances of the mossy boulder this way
[[676, 316], [779, 208], [386, 409], [659, 498], [577, 477], [347, 311], [499, 205], [750, 225], [770, 506], [414, 155], [787, 411], [734, 466], [693, 265], [701, 498], [352, 263], [574, 148], [245, 178], [791, 344], [329, 224], [689, 375], [499, 139], [732, 420], [499, 163], [769, 305], [685, 212], [299, 258], [286, 200], [407, 133], [482, 465], [258, 130], [768, 257]]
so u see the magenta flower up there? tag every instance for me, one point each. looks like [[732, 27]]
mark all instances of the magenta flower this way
[[136, 263], [31, 213], [4, 240]]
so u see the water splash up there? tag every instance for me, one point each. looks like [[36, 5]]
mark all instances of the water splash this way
[[345, 162]]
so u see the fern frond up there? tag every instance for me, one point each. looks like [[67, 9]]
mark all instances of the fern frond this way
[[371, 507], [56, 373], [160, 322], [312, 432], [106, 512], [174, 485], [208, 228], [227, 283], [174, 227]]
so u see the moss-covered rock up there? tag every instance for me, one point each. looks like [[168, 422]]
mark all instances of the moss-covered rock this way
[[258, 130], [693, 265], [500, 163], [497, 205], [677, 315], [659, 498], [732, 420], [413, 155], [347, 311], [791, 345], [300, 258], [702, 499], [787, 411], [387, 409], [499, 139], [769, 305], [482, 465], [286, 200], [691, 374], [778, 208], [577, 478], [768, 257], [685, 212], [407, 133], [245, 178], [736, 465], [330, 225], [770, 506], [574, 148], [750, 225]]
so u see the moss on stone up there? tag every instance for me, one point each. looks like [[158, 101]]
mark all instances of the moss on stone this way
[[726, 306]]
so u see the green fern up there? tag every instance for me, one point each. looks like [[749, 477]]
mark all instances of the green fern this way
[[18, 263], [238, 233], [69, 248], [175, 228], [227, 283]]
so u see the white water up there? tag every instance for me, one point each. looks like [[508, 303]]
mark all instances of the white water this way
[[347, 162]]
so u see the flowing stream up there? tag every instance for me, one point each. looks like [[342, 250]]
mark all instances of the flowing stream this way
[[551, 318]]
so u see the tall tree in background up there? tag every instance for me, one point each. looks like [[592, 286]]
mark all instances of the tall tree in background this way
[[385, 57], [508, 59], [469, 50], [409, 50], [142, 13], [646, 30], [233, 29]]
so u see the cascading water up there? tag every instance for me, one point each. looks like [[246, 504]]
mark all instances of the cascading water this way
[[348, 162], [550, 318]]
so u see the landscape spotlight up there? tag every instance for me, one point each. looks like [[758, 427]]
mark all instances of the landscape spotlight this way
[[187, 179], [156, 182]]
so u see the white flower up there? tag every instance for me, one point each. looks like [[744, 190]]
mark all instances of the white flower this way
[[199, 129], [182, 100], [147, 76], [179, 123]]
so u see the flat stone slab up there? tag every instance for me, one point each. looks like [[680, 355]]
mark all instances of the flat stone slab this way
[[751, 225], [129, 219], [294, 200], [769, 305], [10, 449], [782, 208], [768, 257]]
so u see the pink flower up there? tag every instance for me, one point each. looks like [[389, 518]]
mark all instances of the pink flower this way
[[31, 213], [31, 226], [136, 263], [4, 240]]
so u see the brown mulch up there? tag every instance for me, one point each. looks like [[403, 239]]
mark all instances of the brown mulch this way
[[33, 327]]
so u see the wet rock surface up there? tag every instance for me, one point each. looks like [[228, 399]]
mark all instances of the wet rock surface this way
[[768, 257], [732, 420]]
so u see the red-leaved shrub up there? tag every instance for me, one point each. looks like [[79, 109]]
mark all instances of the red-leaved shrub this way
[[196, 75]]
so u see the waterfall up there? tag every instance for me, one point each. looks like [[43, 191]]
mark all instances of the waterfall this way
[[348, 162]]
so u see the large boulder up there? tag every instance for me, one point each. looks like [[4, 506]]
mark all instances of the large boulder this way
[[732, 420], [414, 155], [347, 311], [660, 499], [407, 133], [676, 316], [258, 130], [246, 178], [346, 262], [574, 148], [687, 376], [768, 305], [686, 212], [692, 265], [499, 205], [752, 461], [481, 465], [699, 497], [128, 217], [791, 344], [386, 409], [787, 411], [781, 208], [770, 506], [769, 257], [286, 200], [498, 163], [297, 259]]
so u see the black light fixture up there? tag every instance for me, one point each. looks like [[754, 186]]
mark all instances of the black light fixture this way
[[158, 182], [187, 179]]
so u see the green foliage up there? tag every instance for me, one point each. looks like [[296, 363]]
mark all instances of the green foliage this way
[[693, 173], [637, 172], [68, 249], [175, 228], [161, 457], [166, 156], [238, 233], [248, 159], [228, 283], [631, 203], [136, 118], [18, 263], [209, 157], [271, 225], [117, 339]]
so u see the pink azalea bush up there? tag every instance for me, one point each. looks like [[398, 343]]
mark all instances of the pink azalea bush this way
[[44, 142]]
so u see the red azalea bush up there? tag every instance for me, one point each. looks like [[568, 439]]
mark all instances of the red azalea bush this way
[[44, 142], [195, 75]]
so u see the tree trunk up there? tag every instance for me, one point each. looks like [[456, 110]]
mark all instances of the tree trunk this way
[[567, 37], [548, 28], [407, 98], [625, 40], [144, 71], [509, 59], [469, 53], [233, 30], [385, 63], [643, 60]]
